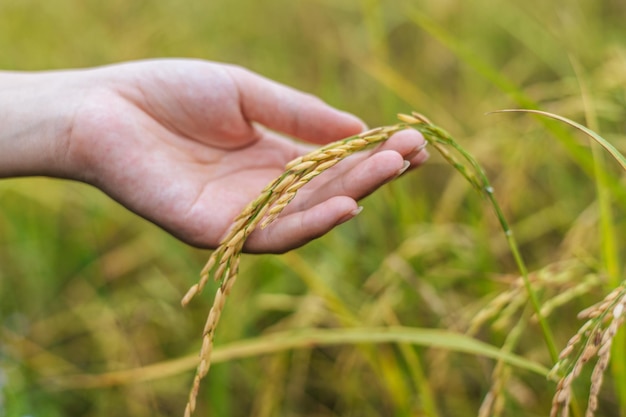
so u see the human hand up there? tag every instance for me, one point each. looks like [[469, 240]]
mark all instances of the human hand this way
[[187, 144]]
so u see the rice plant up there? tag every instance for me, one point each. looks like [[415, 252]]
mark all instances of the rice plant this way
[[595, 336], [421, 295], [277, 195], [263, 210]]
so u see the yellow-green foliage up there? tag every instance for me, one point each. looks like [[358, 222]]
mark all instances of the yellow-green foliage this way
[[90, 316]]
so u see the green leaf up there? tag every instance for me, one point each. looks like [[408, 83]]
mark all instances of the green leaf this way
[[303, 339], [619, 157]]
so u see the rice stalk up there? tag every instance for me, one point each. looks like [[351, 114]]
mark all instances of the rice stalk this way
[[494, 402], [594, 338], [475, 175], [565, 279], [223, 263]]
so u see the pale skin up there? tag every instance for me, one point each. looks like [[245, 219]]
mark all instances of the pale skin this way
[[187, 144]]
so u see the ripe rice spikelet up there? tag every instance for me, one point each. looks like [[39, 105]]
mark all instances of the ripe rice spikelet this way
[[224, 261]]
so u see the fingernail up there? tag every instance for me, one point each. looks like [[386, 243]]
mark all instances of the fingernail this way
[[416, 151], [405, 166], [350, 215]]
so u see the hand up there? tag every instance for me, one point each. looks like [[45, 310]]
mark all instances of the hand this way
[[187, 144]]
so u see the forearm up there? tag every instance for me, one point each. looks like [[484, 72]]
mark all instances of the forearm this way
[[36, 112]]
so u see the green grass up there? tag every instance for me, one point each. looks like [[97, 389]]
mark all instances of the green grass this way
[[87, 289]]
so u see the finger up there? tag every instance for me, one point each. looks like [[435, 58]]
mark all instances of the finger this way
[[419, 158], [292, 112], [407, 143], [362, 174], [356, 183], [296, 229]]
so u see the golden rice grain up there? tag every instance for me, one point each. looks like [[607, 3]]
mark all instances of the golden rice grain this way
[[224, 262]]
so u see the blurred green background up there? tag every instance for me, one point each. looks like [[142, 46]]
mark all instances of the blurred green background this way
[[87, 288]]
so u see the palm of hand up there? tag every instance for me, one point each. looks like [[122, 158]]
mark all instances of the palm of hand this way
[[179, 144]]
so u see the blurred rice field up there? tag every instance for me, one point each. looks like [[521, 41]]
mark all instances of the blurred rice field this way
[[90, 319]]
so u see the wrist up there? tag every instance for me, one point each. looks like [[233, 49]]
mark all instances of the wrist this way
[[36, 116]]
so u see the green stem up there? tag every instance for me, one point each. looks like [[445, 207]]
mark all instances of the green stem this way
[[438, 136]]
